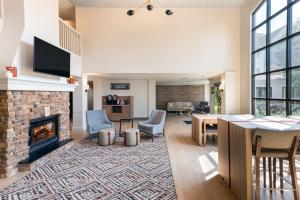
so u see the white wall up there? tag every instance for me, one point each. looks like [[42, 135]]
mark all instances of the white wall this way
[[245, 76], [202, 40], [80, 105], [151, 95], [139, 89], [12, 29]]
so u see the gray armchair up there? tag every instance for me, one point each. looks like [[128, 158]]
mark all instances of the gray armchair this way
[[97, 120], [155, 124]]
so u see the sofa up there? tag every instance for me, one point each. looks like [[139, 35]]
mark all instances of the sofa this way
[[202, 108], [180, 106]]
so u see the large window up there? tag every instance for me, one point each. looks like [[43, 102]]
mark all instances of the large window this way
[[276, 58]]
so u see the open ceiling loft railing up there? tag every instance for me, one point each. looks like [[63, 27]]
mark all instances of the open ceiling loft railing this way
[[149, 7]]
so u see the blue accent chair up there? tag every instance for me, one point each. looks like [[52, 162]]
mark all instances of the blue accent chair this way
[[155, 124], [97, 120]]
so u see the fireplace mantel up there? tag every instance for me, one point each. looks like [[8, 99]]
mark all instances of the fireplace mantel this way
[[27, 84]]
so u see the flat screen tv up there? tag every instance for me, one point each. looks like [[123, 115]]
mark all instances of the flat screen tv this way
[[50, 59]]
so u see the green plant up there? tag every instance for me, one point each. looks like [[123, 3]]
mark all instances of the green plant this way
[[217, 92]]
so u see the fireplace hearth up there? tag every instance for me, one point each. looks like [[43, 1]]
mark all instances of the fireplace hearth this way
[[43, 135]]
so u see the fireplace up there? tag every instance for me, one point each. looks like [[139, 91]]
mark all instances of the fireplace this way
[[43, 135]]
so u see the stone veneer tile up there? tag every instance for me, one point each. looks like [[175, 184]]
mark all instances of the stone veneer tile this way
[[17, 108]]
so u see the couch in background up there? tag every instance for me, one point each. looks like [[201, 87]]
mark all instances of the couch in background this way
[[180, 106]]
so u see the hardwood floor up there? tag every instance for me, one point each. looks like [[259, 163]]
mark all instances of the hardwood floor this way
[[195, 169]]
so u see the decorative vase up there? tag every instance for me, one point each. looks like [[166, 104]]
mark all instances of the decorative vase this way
[[12, 70]]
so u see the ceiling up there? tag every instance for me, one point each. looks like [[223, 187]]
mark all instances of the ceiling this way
[[161, 3], [162, 79]]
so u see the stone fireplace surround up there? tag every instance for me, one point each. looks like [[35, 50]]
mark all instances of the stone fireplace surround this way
[[17, 108]]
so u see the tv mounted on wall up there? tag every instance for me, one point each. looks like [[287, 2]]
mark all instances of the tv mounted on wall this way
[[50, 59]]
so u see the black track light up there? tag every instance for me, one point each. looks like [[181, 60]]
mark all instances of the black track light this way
[[149, 7], [169, 12], [130, 12]]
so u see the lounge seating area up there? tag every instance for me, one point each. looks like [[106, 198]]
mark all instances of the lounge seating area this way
[[99, 124]]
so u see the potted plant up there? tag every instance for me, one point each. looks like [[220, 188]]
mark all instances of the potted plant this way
[[217, 92]]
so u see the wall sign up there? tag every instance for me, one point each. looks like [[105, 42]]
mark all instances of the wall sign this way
[[120, 86]]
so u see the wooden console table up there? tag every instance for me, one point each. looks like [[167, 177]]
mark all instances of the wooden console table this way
[[116, 112]]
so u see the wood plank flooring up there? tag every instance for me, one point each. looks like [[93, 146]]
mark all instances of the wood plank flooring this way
[[195, 168]]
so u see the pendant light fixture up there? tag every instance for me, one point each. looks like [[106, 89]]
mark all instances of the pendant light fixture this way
[[149, 8]]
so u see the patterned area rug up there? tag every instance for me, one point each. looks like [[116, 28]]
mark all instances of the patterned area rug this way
[[89, 171]]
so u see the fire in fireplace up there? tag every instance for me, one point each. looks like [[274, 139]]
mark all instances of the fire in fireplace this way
[[43, 135], [43, 132]]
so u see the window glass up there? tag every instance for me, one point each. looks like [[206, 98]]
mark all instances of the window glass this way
[[260, 37], [295, 82], [278, 85], [277, 5], [260, 62], [260, 86], [260, 108], [278, 27], [278, 56], [296, 18], [295, 51], [261, 14], [277, 108], [295, 108]]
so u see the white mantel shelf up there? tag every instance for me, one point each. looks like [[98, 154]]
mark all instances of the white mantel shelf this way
[[21, 84]]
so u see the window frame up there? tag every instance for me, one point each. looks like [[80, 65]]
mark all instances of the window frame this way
[[288, 69]]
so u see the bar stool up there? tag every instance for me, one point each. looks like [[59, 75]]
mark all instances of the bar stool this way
[[276, 144]]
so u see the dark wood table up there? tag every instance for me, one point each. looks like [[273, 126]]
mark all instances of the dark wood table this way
[[125, 120]]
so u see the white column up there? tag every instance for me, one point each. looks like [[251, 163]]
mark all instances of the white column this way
[[151, 95], [80, 105], [230, 93], [207, 92]]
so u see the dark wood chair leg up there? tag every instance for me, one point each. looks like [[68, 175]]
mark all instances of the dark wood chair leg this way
[[257, 172], [152, 138], [125, 138], [274, 173], [264, 172], [281, 174], [270, 173]]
